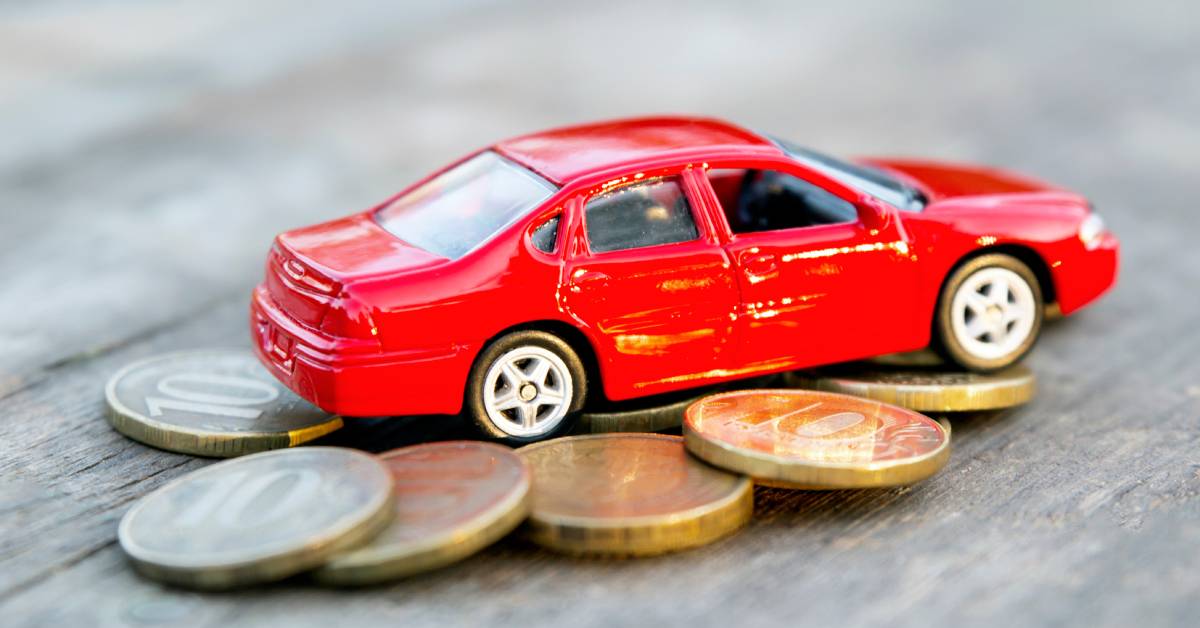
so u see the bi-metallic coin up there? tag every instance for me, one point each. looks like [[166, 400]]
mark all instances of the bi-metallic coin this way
[[219, 403], [815, 440], [922, 389], [630, 494], [452, 500], [258, 518]]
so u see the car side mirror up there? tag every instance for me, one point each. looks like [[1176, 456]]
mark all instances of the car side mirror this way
[[873, 213]]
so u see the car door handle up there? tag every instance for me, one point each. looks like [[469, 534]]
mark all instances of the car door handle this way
[[761, 264], [588, 279]]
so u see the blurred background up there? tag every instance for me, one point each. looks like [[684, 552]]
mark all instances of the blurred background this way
[[150, 150]]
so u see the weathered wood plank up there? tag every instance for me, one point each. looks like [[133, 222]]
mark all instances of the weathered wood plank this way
[[139, 227]]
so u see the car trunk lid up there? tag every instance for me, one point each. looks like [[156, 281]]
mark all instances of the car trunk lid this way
[[308, 267]]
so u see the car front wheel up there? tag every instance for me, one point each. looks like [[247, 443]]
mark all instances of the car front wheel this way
[[990, 313], [526, 386]]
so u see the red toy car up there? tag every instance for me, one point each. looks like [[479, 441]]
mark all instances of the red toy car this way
[[637, 257]]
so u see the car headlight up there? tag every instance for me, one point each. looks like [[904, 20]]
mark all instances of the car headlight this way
[[1091, 228]]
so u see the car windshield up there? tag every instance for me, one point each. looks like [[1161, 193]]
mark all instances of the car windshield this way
[[865, 179], [457, 210]]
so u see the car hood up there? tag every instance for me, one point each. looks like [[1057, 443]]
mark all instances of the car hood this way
[[352, 248], [945, 181]]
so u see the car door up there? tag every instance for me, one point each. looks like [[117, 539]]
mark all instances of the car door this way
[[651, 285], [822, 278]]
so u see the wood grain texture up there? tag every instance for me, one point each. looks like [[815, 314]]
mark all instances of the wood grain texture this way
[[150, 152]]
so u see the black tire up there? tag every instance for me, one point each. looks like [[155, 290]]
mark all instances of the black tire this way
[[955, 350], [474, 404]]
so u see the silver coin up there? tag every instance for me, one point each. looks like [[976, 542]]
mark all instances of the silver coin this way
[[211, 403], [258, 518]]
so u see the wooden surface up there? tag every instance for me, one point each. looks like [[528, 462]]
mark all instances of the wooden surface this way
[[150, 151]]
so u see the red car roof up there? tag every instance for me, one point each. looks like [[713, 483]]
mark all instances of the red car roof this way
[[568, 153]]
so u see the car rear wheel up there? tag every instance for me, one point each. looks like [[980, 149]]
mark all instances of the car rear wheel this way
[[989, 313], [526, 386]]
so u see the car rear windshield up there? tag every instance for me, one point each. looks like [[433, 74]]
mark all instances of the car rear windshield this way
[[460, 208]]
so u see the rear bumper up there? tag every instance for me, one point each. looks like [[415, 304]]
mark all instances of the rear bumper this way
[[344, 377], [1083, 278]]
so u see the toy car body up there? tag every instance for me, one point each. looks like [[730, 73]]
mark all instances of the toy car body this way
[[642, 256]]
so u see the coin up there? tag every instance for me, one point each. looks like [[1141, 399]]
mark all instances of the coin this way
[[210, 403], [660, 412], [815, 440], [636, 419], [258, 518], [452, 499], [921, 358], [630, 494], [924, 390]]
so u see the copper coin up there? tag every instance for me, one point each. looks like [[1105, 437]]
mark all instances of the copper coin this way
[[816, 440], [923, 389], [630, 494], [452, 500]]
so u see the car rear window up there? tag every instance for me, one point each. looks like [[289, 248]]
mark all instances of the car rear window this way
[[462, 207]]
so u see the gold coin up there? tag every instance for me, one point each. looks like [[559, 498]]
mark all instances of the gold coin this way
[[630, 494], [258, 518], [219, 403], [452, 499], [815, 440], [924, 390]]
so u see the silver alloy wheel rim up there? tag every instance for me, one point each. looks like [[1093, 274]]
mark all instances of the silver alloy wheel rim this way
[[993, 313], [527, 391]]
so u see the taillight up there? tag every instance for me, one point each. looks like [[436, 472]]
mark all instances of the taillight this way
[[350, 319]]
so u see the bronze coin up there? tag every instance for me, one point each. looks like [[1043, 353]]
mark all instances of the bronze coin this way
[[816, 440], [452, 499], [630, 494]]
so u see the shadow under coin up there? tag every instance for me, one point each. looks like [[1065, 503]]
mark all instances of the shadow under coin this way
[[386, 433]]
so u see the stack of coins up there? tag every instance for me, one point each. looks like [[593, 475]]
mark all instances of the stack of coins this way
[[349, 518]]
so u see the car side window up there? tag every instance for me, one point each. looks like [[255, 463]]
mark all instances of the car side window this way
[[545, 237], [769, 200], [644, 214]]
